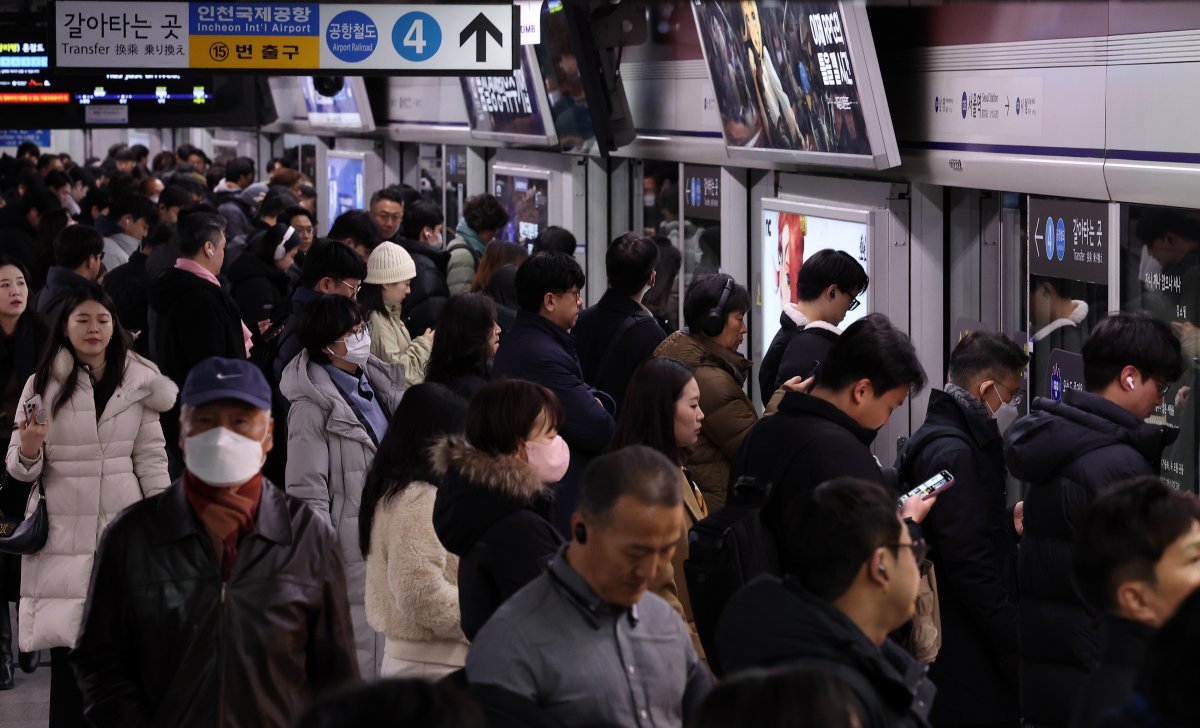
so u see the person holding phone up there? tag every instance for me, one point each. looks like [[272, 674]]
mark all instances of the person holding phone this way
[[971, 536], [92, 434]]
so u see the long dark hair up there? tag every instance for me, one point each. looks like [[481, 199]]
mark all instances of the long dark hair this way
[[114, 355], [426, 412], [460, 348], [648, 411], [370, 297]]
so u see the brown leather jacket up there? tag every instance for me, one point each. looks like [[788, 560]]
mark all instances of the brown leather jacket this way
[[166, 642]]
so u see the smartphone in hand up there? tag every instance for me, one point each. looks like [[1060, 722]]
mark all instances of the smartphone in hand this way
[[930, 488], [29, 404]]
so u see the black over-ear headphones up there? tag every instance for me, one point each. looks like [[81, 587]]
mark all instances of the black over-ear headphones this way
[[580, 533], [713, 322]]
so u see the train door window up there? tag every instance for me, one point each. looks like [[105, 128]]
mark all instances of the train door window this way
[[660, 215], [1068, 288], [1160, 274], [429, 175], [456, 184], [700, 228]]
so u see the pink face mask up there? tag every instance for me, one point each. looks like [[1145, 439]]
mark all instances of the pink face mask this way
[[549, 460]]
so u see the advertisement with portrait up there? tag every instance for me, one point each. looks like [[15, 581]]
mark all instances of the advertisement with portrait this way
[[526, 199], [789, 238], [784, 76], [345, 183]]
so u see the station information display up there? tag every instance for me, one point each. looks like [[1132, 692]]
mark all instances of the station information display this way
[[510, 107], [1160, 274]]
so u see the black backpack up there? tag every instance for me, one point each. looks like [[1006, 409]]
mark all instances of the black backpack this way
[[725, 551]]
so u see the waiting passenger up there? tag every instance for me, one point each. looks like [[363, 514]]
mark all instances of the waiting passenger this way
[[129, 286], [221, 601], [827, 433], [971, 535], [20, 221], [584, 642], [96, 444], [555, 239], [330, 269], [387, 210], [412, 581], [78, 252], [482, 218], [854, 570], [467, 340], [305, 224], [133, 214], [827, 288], [1136, 557], [664, 413], [540, 348], [259, 278], [493, 501], [390, 271], [1069, 452], [494, 277], [341, 400], [422, 230], [619, 333], [356, 229], [714, 309], [781, 697], [227, 196], [171, 202]]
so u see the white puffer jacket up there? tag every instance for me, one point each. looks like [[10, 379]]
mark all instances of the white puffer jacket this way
[[412, 581], [91, 470]]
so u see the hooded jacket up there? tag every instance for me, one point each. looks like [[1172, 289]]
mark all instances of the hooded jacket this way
[[329, 454], [429, 293], [460, 269], [773, 621], [390, 342], [791, 321], [92, 468], [728, 412], [807, 349], [1113, 681], [1068, 452], [490, 512], [193, 320]]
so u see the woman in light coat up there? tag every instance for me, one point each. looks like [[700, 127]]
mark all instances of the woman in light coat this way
[[341, 400], [412, 581], [96, 443], [390, 271]]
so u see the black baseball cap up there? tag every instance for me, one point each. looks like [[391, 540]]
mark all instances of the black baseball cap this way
[[219, 378]]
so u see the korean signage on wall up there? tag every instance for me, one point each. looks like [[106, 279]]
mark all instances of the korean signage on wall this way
[[286, 37], [702, 192], [1068, 239]]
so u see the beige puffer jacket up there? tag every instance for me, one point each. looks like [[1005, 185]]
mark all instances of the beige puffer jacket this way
[[91, 470], [412, 581], [390, 342]]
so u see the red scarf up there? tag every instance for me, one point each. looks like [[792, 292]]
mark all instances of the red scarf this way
[[227, 513]]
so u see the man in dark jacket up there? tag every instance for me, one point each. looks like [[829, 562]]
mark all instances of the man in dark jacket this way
[[78, 252], [422, 229], [540, 348], [618, 333], [827, 434], [1069, 452], [228, 198], [220, 601], [1136, 557], [129, 286], [971, 537], [19, 223], [330, 269], [827, 288], [855, 579]]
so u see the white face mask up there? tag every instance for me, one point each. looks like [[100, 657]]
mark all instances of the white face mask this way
[[358, 348], [222, 458], [1005, 415]]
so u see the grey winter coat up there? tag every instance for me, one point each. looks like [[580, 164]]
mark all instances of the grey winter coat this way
[[329, 453]]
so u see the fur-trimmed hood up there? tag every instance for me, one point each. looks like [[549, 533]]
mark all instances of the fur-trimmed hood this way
[[477, 490]]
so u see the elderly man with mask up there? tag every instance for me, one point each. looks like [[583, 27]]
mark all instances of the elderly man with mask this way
[[220, 601]]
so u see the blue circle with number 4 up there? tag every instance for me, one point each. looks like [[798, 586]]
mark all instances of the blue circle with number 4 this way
[[416, 36]]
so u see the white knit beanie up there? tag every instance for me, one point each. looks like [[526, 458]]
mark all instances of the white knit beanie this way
[[390, 263]]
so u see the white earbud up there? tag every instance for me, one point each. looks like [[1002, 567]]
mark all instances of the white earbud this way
[[1129, 381]]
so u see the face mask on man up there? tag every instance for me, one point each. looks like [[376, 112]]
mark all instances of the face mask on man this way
[[358, 349], [549, 460], [222, 458], [1006, 414]]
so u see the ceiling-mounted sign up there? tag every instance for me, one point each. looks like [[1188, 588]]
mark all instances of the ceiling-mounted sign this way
[[288, 38], [1068, 239]]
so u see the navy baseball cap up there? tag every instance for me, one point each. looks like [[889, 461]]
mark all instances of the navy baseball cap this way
[[217, 378]]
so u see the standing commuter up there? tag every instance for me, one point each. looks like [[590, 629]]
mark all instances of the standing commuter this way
[[494, 495], [1069, 452], [584, 643], [714, 309], [78, 256], [330, 269], [387, 210], [390, 271], [827, 288], [227, 196], [619, 333], [129, 286], [133, 214], [96, 443], [540, 348], [220, 601], [356, 229], [494, 278], [422, 230], [970, 534], [1135, 558], [827, 433], [482, 218], [555, 239], [259, 277], [341, 400], [467, 340]]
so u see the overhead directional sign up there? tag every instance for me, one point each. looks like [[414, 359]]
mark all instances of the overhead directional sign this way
[[288, 38]]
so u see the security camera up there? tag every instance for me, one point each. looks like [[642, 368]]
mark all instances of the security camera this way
[[329, 85]]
